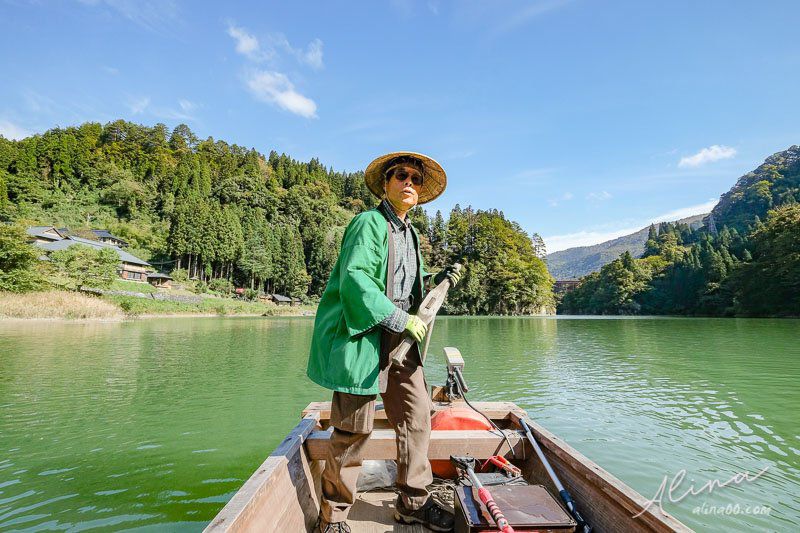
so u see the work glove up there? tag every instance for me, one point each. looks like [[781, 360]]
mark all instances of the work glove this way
[[453, 272], [416, 328]]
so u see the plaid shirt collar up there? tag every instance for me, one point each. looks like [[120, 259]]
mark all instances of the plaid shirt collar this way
[[389, 213]]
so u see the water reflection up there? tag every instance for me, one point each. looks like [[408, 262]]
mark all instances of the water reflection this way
[[156, 423]]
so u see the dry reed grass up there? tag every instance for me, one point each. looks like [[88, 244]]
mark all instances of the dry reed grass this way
[[57, 304]]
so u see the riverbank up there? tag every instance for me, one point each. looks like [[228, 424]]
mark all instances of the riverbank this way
[[64, 305]]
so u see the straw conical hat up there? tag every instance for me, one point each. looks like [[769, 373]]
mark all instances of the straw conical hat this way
[[434, 182]]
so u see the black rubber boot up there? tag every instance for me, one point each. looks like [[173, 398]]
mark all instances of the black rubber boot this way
[[429, 515]]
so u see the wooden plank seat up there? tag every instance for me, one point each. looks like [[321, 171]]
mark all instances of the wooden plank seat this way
[[477, 443], [500, 412]]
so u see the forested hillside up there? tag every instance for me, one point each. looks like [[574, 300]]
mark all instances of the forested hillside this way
[[574, 263], [745, 260], [774, 183], [222, 211]]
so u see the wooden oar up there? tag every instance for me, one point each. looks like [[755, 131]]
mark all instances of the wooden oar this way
[[427, 313]]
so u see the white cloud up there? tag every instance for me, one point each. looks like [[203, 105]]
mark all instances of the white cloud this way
[[713, 153], [584, 238], [168, 113], [275, 88], [554, 202], [138, 105], [311, 56], [247, 44], [684, 212], [592, 236], [598, 196], [272, 86], [144, 105], [12, 131], [39, 103], [71, 110]]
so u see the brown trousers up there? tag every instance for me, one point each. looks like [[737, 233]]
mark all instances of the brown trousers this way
[[408, 409]]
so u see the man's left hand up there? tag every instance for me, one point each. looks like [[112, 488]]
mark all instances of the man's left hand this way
[[453, 273]]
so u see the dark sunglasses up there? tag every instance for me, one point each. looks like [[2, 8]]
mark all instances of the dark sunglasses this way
[[403, 175]]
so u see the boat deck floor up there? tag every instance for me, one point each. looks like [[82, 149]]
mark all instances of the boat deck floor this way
[[373, 512]]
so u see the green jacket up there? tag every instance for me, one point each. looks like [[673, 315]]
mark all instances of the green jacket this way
[[345, 348]]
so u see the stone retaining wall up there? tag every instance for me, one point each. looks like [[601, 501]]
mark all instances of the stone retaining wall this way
[[151, 296]]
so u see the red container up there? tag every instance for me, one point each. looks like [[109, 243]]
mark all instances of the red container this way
[[454, 417]]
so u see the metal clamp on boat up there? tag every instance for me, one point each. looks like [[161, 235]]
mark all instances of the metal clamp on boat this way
[[455, 385]]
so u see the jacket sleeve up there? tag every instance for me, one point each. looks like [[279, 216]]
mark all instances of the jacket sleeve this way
[[362, 283]]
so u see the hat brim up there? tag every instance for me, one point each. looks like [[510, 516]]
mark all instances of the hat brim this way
[[433, 185]]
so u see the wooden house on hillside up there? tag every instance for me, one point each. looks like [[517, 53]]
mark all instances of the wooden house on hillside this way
[[44, 234], [103, 235], [51, 239], [159, 279]]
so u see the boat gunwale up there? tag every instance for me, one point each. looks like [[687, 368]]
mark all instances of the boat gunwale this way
[[240, 506], [617, 490], [236, 513]]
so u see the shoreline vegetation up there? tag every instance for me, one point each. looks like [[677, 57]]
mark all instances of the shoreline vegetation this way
[[67, 305], [223, 220], [229, 218]]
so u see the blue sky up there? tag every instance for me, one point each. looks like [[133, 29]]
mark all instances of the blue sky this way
[[582, 120]]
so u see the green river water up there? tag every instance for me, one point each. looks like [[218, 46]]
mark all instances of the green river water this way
[[152, 425]]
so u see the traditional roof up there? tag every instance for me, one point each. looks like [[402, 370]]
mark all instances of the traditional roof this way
[[32, 230], [158, 275], [63, 244], [41, 232], [105, 234], [281, 298]]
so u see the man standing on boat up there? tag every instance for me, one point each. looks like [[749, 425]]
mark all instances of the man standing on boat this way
[[366, 309]]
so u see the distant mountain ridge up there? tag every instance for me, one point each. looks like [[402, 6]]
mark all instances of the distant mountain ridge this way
[[742, 261], [775, 182], [574, 263]]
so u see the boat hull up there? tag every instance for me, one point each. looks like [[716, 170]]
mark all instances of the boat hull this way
[[283, 493]]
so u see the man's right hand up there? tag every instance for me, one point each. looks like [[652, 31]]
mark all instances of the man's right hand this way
[[416, 328]]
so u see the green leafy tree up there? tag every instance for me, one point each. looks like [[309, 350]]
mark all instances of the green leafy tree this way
[[438, 240], [18, 261], [323, 253], [85, 266], [770, 283], [539, 247], [291, 277], [179, 275], [503, 273], [651, 246]]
